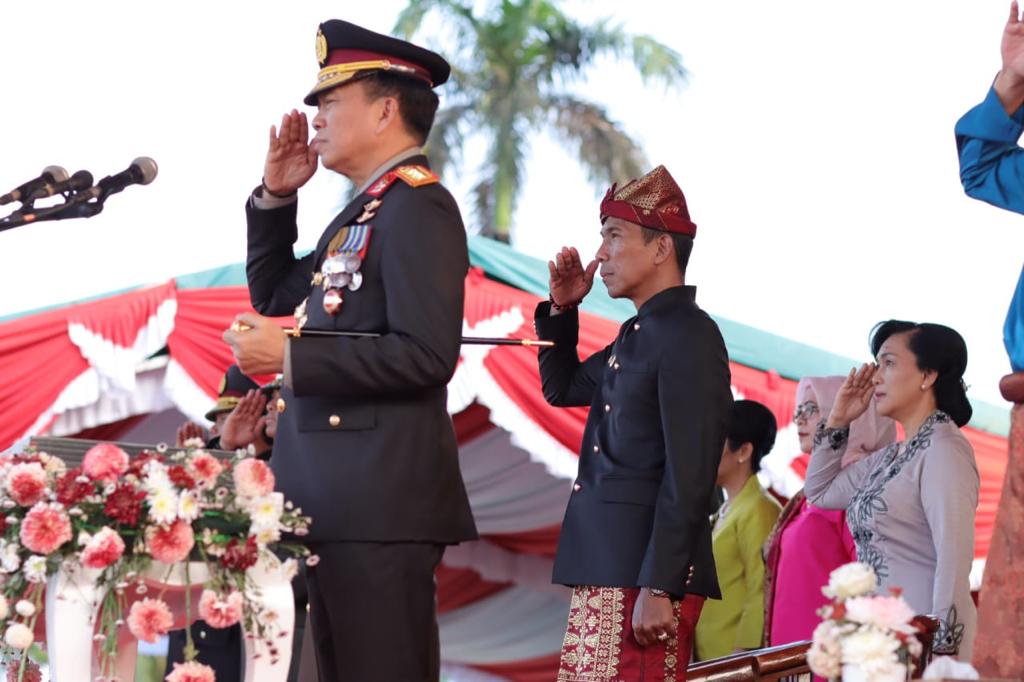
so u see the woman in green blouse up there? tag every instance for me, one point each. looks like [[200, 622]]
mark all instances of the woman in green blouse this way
[[736, 621]]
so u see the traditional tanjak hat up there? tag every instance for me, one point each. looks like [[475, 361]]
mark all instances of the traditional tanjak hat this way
[[654, 201], [233, 387], [346, 51]]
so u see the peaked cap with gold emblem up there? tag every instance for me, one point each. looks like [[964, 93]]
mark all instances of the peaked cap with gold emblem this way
[[346, 51], [654, 201], [233, 387]]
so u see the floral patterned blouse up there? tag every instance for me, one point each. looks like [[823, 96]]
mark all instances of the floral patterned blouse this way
[[910, 508]]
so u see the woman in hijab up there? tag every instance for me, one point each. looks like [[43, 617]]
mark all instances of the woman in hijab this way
[[809, 542]]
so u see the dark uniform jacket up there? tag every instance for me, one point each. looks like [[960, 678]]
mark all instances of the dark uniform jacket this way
[[659, 402], [365, 444]]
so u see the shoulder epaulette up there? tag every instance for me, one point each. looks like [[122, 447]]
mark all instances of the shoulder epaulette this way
[[414, 176]]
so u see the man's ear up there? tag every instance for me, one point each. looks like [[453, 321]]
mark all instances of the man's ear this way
[[388, 113], [666, 248]]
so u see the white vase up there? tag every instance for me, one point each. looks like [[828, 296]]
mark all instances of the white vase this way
[[896, 672]]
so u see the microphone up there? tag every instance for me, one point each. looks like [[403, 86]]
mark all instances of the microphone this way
[[76, 183], [49, 176], [142, 172]]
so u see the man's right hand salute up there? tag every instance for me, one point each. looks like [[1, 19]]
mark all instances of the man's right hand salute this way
[[569, 281], [291, 160]]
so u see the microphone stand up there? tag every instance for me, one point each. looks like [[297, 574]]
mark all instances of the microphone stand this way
[[75, 206]]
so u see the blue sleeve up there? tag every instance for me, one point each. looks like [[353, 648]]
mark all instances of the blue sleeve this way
[[991, 162]]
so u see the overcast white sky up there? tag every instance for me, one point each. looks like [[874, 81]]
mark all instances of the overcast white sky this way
[[814, 142]]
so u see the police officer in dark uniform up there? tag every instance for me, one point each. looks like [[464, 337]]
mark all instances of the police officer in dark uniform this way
[[364, 442], [636, 539]]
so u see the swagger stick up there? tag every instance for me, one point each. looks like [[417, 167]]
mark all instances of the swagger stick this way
[[466, 340]]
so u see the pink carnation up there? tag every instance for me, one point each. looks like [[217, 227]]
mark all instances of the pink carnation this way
[[205, 468], [103, 549], [105, 462], [885, 613], [149, 620], [172, 543], [193, 671], [46, 527], [220, 613], [27, 483], [253, 478]]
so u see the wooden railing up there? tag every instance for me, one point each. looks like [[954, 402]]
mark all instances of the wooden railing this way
[[788, 663]]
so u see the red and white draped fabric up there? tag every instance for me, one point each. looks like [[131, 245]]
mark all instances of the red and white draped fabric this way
[[83, 370]]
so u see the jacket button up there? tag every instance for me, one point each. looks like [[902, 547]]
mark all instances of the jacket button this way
[[597, 449], [577, 487], [617, 366], [280, 405], [334, 420], [636, 327], [607, 407]]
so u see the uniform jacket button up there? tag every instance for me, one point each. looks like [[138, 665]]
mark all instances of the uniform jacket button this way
[[334, 420], [636, 327], [577, 487], [280, 405], [597, 449], [607, 407]]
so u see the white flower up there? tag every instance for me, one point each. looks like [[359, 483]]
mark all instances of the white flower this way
[[850, 580], [868, 645], [83, 538], [265, 512], [25, 608], [269, 618], [35, 569], [188, 507], [823, 663], [18, 636], [194, 442], [163, 506], [265, 536], [4, 608], [9, 559]]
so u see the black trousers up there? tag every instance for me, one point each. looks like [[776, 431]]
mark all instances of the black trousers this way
[[373, 611]]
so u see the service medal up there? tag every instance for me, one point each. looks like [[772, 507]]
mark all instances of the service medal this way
[[332, 301], [357, 281]]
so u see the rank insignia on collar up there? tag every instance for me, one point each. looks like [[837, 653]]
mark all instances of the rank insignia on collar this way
[[611, 360], [369, 210]]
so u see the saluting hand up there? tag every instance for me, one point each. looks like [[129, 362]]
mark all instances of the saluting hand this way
[[188, 431], [570, 282], [854, 396], [245, 423], [291, 161]]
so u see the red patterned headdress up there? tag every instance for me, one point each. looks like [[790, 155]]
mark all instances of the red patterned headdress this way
[[654, 201]]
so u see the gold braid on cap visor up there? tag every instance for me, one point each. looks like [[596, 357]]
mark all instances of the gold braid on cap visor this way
[[339, 73]]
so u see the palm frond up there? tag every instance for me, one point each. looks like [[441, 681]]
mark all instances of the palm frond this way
[[656, 61], [447, 137], [607, 152], [410, 19]]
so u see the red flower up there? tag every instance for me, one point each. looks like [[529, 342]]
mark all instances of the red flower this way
[[180, 477], [32, 672], [45, 528], [139, 463], [253, 478], [103, 549], [206, 468], [149, 620], [838, 611], [105, 462], [27, 483], [191, 671], [124, 505], [220, 612], [172, 543], [71, 491], [239, 557]]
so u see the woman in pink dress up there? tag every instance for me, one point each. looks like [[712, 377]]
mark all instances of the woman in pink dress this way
[[807, 542]]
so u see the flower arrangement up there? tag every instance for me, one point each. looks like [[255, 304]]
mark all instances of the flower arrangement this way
[[863, 635], [115, 515]]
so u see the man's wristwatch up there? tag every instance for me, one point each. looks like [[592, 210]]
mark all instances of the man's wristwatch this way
[[655, 592]]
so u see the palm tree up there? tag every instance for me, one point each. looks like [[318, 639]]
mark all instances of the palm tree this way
[[512, 67]]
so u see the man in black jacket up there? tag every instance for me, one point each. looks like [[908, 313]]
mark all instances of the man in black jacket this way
[[364, 442], [636, 539]]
